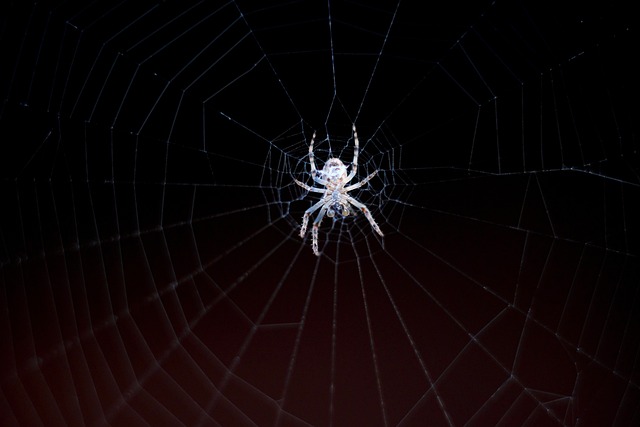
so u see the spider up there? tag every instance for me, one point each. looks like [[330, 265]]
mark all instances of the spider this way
[[335, 199]]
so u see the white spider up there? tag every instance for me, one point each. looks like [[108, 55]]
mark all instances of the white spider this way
[[335, 199]]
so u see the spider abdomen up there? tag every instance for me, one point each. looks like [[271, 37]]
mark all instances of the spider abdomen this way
[[334, 171]]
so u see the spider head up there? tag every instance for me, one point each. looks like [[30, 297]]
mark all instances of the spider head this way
[[335, 171]]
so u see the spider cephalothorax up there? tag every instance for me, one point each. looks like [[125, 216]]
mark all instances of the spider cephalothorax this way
[[335, 200]]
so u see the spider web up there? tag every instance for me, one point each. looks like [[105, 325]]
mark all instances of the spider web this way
[[151, 267]]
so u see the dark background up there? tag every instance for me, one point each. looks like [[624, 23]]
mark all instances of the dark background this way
[[151, 271]]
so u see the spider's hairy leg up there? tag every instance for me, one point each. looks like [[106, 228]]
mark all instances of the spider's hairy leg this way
[[311, 156], [366, 213], [314, 230], [356, 149], [305, 223], [303, 185], [310, 188], [314, 244], [361, 183], [307, 214]]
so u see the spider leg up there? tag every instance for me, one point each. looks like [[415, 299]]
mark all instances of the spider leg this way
[[366, 213], [314, 230], [310, 188], [311, 156], [361, 183], [356, 149], [312, 160], [307, 214]]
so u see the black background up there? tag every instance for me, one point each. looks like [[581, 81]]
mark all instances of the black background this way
[[150, 263]]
